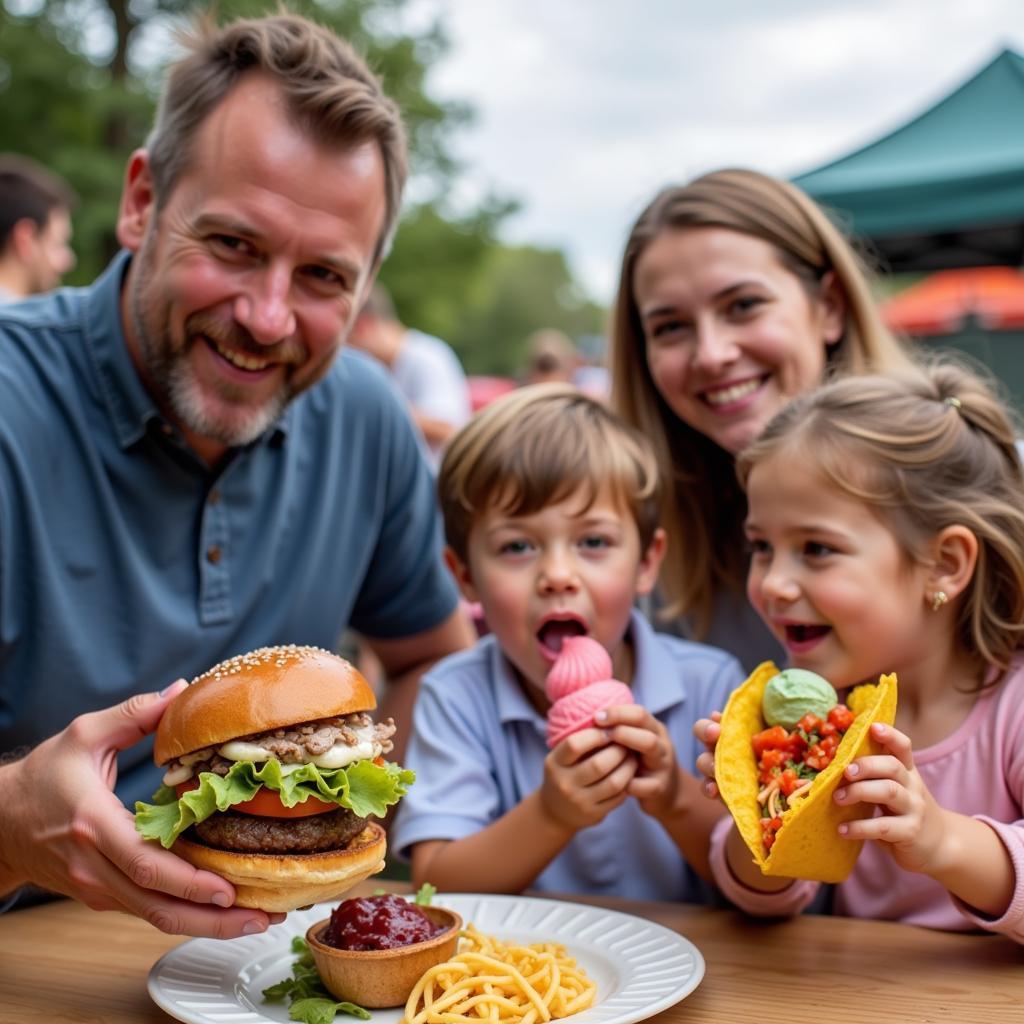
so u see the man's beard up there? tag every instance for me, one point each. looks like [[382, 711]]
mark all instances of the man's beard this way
[[213, 409]]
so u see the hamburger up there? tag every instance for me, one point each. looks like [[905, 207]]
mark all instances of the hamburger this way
[[272, 771]]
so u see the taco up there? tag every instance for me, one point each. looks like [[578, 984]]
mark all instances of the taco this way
[[800, 837]]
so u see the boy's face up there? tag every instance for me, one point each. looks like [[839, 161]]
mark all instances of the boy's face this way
[[562, 571]]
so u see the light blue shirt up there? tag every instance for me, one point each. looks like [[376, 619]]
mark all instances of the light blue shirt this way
[[125, 562], [478, 749]]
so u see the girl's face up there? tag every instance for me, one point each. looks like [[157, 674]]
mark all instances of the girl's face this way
[[562, 571], [831, 580], [730, 333]]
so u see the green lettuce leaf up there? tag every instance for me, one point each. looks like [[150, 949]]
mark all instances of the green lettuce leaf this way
[[363, 787], [310, 1002]]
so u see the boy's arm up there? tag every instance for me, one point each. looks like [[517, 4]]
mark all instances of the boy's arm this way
[[689, 822], [506, 856], [664, 789], [585, 778]]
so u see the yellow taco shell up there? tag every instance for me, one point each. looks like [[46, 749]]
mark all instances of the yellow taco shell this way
[[808, 844]]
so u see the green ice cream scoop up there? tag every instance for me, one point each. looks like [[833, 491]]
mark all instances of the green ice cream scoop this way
[[793, 693]]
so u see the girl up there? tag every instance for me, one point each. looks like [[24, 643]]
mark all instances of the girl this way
[[886, 522], [736, 293]]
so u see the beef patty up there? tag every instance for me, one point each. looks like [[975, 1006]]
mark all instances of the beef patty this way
[[248, 833]]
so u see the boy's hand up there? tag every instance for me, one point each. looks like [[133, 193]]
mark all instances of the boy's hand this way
[[657, 780], [912, 824], [585, 777], [707, 730]]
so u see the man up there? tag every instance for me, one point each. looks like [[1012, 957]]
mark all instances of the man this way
[[425, 369], [187, 471], [35, 228]]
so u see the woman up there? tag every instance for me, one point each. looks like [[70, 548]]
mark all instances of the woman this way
[[736, 293]]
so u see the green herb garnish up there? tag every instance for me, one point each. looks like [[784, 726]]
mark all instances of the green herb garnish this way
[[425, 894], [308, 1000]]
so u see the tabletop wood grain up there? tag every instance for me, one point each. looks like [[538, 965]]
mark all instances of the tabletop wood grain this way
[[62, 963]]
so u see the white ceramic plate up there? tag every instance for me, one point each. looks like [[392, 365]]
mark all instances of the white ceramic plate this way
[[640, 968]]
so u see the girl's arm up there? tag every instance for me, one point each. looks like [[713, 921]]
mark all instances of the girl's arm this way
[[585, 777], [734, 857], [974, 865], [962, 854]]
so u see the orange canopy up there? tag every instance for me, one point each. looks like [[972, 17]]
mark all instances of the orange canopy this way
[[941, 303]]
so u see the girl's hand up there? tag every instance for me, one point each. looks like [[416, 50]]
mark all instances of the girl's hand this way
[[656, 783], [911, 823], [585, 777], [707, 730]]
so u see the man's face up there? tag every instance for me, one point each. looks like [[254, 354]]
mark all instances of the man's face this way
[[249, 274], [50, 255]]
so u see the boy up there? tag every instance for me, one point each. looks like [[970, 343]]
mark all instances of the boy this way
[[550, 506]]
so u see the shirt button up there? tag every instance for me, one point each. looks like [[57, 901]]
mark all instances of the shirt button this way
[[213, 554], [213, 497], [168, 430]]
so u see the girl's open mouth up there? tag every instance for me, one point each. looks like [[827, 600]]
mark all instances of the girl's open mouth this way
[[800, 637]]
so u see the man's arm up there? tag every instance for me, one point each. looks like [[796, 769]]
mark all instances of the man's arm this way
[[406, 659], [63, 829]]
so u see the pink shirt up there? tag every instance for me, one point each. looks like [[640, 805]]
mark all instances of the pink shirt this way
[[978, 771]]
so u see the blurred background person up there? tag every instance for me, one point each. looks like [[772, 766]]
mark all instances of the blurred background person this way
[[552, 357], [426, 369], [35, 228]]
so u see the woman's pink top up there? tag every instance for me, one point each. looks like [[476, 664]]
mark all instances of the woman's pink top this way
[[977, 771]]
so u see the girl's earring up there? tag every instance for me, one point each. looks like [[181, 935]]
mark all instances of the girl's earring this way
[[939, 598]]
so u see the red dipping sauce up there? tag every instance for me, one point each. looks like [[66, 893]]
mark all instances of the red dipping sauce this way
[[377, 922]]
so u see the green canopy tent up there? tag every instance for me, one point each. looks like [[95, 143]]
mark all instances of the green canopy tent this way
[[947, 188]]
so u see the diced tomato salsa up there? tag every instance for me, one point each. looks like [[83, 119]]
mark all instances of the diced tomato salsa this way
[[788, 760]]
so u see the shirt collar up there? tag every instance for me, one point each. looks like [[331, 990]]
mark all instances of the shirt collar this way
[[129, 404], [656, 680], [513, 704], [656, 684]]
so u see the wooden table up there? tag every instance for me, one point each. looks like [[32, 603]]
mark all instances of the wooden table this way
[[63, 963]]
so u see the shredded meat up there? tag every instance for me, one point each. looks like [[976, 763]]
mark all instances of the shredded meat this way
[[297, 743]]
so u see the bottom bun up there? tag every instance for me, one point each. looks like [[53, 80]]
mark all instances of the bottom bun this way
[[286, 881]]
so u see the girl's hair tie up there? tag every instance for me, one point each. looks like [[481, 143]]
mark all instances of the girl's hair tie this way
[[954, 402]]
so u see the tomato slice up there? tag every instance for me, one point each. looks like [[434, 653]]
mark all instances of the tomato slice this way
[[267, 804]]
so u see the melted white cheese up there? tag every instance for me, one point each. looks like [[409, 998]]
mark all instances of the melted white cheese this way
[[340, 755], [175, 775]]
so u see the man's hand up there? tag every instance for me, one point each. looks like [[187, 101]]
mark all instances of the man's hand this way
[[64, 830]]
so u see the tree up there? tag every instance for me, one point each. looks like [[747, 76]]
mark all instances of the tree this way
[[520, 289], [58, 106]]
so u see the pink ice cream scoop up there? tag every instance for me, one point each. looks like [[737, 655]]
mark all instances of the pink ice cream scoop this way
[[579, 685]]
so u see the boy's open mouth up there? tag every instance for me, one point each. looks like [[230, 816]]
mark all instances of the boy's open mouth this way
[[553, 633]]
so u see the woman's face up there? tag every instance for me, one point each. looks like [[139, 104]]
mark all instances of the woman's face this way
[[731, 334]]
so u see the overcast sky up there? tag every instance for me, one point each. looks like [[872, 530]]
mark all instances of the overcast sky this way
[[584, 108]]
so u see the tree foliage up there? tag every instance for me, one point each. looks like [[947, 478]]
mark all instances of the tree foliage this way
[[520, 290]]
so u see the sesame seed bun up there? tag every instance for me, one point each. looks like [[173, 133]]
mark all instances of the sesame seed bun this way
[[269, 688], [283, 882]]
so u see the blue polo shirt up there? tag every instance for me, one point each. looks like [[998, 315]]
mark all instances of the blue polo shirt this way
[[125, 562], [478, 749]]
